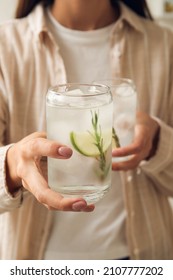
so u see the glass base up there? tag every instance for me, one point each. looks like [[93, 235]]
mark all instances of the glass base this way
[[91, 194]]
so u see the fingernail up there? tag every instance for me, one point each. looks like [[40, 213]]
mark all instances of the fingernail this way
[[79, 206], [65, 151]]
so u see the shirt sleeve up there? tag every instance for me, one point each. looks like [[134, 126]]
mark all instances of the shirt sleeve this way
[[7, 201], [160, 167]]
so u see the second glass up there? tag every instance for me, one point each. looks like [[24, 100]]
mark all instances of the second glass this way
[[124, 106], [80, 116]]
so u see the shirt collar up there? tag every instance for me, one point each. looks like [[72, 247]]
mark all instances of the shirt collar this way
[[131, 18], [37, 21]]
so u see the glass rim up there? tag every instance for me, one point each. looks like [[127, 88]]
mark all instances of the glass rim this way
[[67, 86], [119, 82]]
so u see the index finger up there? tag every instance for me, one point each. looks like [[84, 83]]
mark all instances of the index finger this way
[[126, 151]]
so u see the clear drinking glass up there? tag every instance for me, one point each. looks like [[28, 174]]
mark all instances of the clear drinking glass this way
[[80, 116], [124, 115]]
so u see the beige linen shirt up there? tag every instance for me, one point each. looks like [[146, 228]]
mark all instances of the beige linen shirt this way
[[29, 63]]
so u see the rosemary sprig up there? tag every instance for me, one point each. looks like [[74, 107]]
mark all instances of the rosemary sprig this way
[[98, 142], [115, 137]]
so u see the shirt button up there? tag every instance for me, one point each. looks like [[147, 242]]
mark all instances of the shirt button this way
[[116, 52], [129, 178]]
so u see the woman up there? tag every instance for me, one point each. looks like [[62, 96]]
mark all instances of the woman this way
[[45, 47]]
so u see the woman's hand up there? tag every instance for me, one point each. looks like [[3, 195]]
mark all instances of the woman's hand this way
[[144, 145], [23, 168]]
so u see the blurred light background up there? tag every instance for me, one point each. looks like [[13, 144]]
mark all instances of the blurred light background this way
[[7, 8]]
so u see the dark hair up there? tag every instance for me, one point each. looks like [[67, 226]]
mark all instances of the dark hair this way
[[24, 7], [140, 7]]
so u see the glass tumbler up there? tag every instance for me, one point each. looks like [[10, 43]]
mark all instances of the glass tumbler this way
[[124, 112], [80, 116]]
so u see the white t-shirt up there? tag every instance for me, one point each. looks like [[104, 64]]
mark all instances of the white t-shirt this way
[[100, 234]]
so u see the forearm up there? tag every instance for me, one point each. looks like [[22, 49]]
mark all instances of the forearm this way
[[8, 201], [13, 182]]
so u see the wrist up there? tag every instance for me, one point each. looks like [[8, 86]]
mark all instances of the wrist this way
[[155, 143], [13, 182]]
